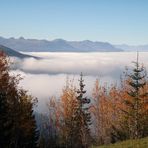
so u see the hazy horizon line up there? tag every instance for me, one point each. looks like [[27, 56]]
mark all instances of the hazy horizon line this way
[[58, 38]]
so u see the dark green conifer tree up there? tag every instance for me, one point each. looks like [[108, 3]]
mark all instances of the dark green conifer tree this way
[[5, 122], [82, 118], [17, 121], [134, 122], [5, 126]]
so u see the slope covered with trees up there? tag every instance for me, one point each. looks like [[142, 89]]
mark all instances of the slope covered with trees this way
[[13, 53]]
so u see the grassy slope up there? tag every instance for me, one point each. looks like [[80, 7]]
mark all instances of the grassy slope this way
[[140, 143]]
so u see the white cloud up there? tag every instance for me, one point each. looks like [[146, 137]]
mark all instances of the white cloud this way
[[46, 76], [43, 86], [73, 63]]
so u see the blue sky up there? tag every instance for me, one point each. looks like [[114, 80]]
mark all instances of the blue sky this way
[[114, 21]]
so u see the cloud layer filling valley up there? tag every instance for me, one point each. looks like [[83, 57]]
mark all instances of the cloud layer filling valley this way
[[46, 76]]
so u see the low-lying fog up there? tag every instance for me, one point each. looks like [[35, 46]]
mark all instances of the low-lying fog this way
[[46, 76]]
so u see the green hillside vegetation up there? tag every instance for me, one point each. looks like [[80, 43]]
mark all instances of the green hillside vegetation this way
[[139, 143], [13, 53]]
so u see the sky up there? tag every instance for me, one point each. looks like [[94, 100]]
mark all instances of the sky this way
[[114, 21]]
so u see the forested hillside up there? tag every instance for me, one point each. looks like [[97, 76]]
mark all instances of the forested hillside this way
[[13, 53]]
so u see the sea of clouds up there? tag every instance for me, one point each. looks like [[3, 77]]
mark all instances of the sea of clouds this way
[[45, 76]]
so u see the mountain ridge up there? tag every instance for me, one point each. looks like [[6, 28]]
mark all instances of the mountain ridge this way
[[132, 47], [57, 45], [12, 53]]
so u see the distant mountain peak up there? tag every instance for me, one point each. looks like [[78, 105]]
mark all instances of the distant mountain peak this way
[[21, 38], [12, 38], [87, 41], [59, 40], [36, 45]]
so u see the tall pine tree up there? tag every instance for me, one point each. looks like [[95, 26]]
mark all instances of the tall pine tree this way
[[135, 112], [82, 117]]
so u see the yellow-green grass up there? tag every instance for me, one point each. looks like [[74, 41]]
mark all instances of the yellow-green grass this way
[[139, 143]]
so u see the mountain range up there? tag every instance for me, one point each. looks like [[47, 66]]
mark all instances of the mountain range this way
[[57, 45], [60, 45], [126, 47]]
